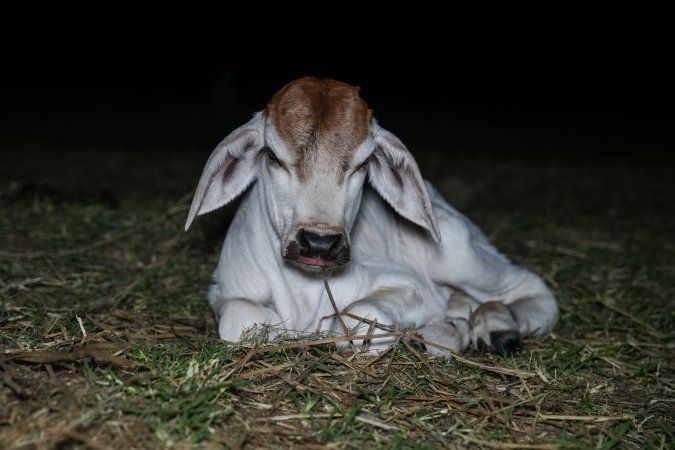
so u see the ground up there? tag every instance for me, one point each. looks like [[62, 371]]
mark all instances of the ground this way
[[106, 340]]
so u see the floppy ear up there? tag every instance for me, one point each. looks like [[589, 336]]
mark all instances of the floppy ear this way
[[229, 170], [394, 174]]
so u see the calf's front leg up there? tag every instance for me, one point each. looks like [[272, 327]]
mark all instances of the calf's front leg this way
[[387, 306], [236, 315]]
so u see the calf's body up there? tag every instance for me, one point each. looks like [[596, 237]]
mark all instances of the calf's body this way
[[337, 197]]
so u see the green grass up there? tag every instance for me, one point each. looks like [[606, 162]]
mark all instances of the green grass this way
[[151, 372]]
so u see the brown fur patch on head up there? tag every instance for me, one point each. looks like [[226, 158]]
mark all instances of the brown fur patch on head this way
[[313, 115]]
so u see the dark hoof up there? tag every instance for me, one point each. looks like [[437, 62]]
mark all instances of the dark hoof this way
[[505, 342]]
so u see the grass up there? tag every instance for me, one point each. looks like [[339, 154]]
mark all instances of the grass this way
[[106, 340]]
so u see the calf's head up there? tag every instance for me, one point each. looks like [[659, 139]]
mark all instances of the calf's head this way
[[311, 150]]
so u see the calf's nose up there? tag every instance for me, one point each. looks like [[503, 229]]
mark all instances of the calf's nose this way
[[312, 244]]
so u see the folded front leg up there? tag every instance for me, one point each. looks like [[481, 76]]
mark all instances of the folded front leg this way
[[236, 315], [387, 306]]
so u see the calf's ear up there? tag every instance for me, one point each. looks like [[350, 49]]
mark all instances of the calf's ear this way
[[394, 174], [230, 169]]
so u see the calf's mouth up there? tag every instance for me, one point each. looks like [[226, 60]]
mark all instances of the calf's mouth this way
[[312, 262]]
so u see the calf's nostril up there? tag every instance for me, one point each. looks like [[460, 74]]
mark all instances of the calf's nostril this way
[[315, 244], [303, 241], [336, 245]]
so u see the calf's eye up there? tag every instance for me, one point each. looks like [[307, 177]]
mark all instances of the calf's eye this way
[[271, 155]]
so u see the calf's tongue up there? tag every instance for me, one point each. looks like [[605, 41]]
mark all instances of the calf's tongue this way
[[315, 261]]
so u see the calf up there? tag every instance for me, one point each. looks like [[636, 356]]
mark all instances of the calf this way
[[334, 195]]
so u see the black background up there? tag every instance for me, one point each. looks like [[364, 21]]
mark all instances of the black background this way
[[538, 93]]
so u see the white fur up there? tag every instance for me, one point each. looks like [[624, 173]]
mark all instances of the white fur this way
[[431, 270]]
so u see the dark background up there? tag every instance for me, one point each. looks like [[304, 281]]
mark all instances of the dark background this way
[[532, 96]]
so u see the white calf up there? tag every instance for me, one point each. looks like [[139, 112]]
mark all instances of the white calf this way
[[394, 250]]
